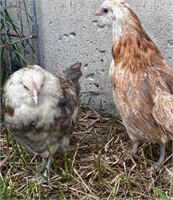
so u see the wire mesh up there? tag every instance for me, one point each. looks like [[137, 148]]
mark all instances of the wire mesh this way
[[19, 42]]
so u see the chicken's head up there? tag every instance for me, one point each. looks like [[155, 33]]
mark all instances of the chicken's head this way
[[32, 81], [114, 13]]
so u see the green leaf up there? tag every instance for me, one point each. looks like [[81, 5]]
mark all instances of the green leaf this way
[[161, 194]]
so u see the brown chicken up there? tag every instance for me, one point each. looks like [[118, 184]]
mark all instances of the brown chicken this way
[[141, 78], [42, 109]]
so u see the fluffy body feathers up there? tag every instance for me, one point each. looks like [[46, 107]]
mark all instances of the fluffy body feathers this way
[[141, 79], [44, 125]]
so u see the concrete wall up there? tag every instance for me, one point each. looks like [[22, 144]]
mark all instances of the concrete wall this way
[[69, 32]]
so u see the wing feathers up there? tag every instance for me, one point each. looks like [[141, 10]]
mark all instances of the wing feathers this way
[[163, 111]]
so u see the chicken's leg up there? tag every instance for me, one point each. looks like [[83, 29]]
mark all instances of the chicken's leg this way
[[135, 147], [162, 153], [161, 158], [44, 177], [134, 150]]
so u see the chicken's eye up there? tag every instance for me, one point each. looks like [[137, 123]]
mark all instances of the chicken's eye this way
[[26, 87], [105, 10]]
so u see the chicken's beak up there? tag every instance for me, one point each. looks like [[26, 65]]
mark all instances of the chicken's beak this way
[[35, 96], [99, 12]]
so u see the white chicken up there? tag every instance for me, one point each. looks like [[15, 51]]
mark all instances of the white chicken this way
[[42, 109]]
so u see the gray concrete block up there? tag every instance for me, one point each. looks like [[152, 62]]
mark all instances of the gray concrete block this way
[[70, 32]]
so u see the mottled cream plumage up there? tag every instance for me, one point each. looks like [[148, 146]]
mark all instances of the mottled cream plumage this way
[[141, 78], [41, 109]]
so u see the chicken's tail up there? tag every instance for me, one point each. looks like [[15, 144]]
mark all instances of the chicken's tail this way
[[74, 73]]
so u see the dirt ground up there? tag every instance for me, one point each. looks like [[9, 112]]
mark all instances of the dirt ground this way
[[94, 167]]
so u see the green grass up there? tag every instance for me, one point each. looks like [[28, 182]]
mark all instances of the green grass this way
[[92, 168], [12, 47]]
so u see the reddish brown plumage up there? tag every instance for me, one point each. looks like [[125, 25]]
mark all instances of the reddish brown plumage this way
[[141, 79]]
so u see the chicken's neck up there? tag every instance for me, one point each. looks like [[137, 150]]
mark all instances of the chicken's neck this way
[[133, 48]]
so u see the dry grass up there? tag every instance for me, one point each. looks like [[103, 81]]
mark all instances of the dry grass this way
[[93, 167]]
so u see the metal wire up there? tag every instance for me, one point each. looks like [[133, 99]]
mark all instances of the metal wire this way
[[35, 30], [6, 30], [19, 16], [21, 37]]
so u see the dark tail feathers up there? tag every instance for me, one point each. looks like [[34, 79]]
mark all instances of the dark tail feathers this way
[[74, 73]]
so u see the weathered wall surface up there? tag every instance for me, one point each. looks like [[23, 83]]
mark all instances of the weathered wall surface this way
[[70, 32]]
